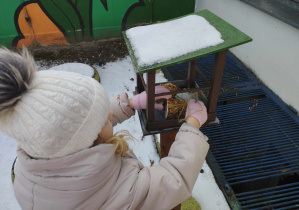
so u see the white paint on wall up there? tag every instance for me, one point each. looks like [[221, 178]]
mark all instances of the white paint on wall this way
[[273, 55]]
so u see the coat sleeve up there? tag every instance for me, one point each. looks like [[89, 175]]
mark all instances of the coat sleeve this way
[[121, 109], [166, 185]]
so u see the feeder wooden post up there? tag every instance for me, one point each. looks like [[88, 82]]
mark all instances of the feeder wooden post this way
[[216, 82], [140, 85], [166, 140], [150, 90], [191, 73]]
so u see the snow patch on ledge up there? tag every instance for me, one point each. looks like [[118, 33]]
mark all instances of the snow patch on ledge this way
[[79, 68], [163, 41]]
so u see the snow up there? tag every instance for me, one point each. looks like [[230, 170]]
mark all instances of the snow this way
[[160, 42], [7, 156], [79, 68], [116, 77], [206, 191]]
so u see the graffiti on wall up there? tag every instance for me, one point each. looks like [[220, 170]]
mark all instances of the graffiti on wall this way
[[64, 21], [46, 22]]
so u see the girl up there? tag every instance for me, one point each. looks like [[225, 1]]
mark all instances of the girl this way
[[68, 157]]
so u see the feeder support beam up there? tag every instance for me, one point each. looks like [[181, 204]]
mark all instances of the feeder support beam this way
[[191, 73], [216, 82], [140, 81], [150, 90]]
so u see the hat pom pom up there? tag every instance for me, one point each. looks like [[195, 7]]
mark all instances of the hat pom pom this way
[[16, 72]]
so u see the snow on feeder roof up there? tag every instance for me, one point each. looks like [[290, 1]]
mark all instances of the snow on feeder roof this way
[[163, 41], [148, 52]]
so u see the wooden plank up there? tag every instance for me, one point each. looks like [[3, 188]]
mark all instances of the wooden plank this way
[[216, 82]]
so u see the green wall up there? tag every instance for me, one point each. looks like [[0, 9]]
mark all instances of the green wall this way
[[7, 26], [79, 20]]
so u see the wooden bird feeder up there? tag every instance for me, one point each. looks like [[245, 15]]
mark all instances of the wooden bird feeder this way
[[154, 121]]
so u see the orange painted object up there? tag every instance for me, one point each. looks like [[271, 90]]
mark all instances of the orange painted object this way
[[40, 29]]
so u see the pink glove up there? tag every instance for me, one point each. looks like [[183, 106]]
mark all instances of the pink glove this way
[[197, 110], [140, 101]]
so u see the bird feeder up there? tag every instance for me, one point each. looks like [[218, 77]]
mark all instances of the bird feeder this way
[[155, 121]]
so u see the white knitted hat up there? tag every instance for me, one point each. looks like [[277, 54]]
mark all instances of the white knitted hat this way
[[59, 114]]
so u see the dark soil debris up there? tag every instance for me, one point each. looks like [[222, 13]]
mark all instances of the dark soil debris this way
[[93, 53]]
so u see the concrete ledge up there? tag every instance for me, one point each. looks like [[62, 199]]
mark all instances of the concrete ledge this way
[[284, 10]]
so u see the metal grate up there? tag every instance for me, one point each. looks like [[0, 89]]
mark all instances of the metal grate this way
[[282, 197], [254, 152], [257, 150]]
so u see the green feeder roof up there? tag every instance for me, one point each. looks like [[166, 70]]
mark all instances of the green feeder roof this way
[[232, 37]]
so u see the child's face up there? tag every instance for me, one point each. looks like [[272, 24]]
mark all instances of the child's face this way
[[107, 130]]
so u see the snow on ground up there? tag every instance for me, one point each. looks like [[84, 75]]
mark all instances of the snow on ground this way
[[162, 41], [7, 156], [120, 77], [116, 77], [206, 191]]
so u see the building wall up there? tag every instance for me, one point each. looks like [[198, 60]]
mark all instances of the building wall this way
[[273, 55], [25, 22]]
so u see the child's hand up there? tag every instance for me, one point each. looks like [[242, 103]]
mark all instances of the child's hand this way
[[140, 101], [198, 111]]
